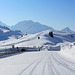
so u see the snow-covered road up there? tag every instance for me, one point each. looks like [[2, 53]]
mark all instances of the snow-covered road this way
[[37, 63]]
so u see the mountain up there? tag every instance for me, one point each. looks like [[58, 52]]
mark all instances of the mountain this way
[[6, 33], [3, 24], [4, 29], [67, 30], [30, 27]]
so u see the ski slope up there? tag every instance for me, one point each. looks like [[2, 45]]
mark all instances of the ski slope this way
[[37, 63]]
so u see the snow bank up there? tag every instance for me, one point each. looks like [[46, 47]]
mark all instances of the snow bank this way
[[68, 49]]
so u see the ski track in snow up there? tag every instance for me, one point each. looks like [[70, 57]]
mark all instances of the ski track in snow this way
[[54, 68], [67, 64], [37, 62], [50, 64]]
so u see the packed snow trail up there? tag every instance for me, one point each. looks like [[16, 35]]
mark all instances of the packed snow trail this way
[[37, 63], [50, 64]]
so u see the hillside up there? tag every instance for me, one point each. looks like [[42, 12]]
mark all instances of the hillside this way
[[6, 33], [31, 40], [4, 29]]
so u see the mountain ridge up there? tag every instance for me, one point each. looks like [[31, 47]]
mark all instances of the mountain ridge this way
[[30, 27], [6, 33]]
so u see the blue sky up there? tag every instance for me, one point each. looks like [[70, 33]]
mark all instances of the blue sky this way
[[54, 13]]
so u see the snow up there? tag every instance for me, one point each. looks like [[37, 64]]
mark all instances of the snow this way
[[30, 27], [57, 55], [67, 30], [32, 39], [68, 50], [6, 33], [37, 63]]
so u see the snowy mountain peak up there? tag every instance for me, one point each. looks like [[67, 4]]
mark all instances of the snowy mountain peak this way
[[30, 27], [67, 30]]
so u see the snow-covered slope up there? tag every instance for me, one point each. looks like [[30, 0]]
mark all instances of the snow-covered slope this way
[[31, 40], [42, 62], [37, 63], [67, 30], [6, 33], [4, 29], [30, 27], [68, 49]]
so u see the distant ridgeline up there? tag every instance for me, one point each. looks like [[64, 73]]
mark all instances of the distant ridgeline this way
[[30, 27]]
